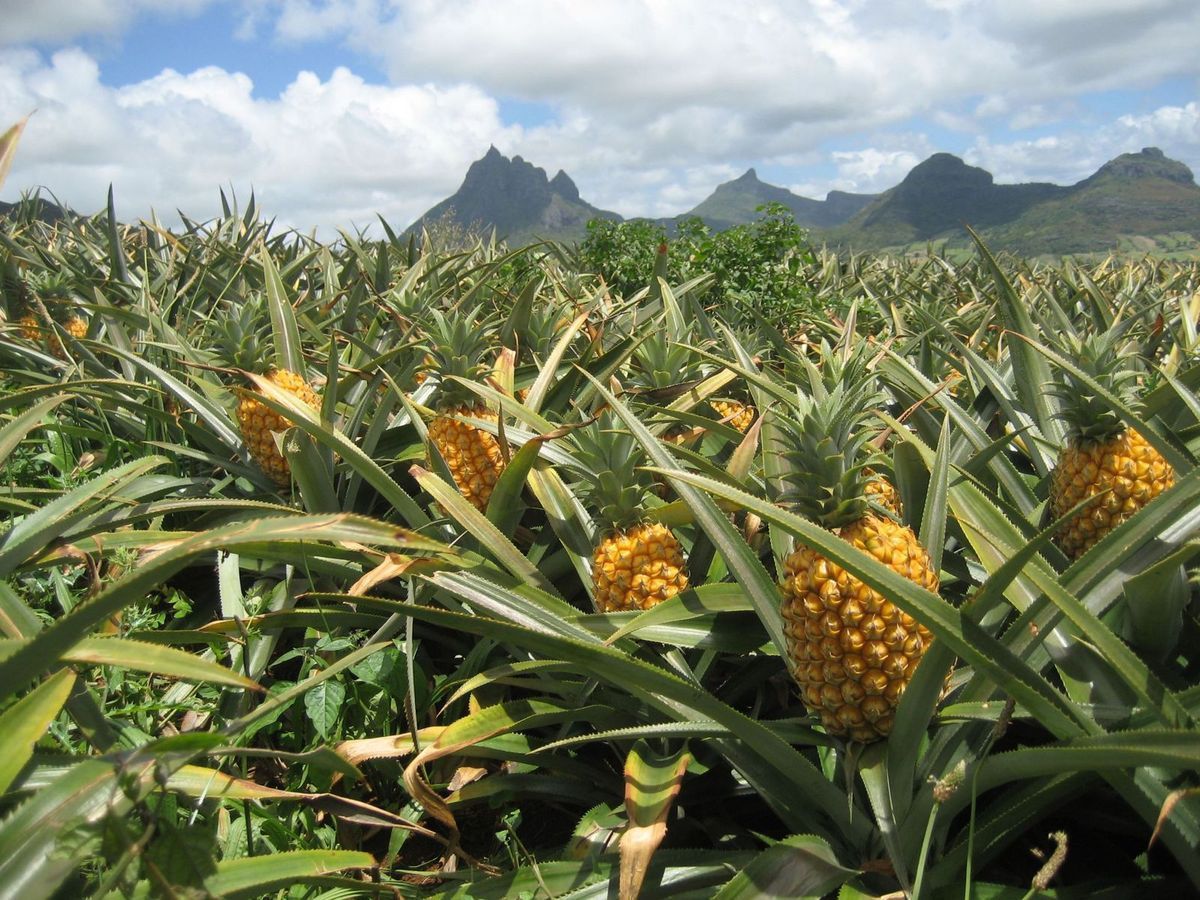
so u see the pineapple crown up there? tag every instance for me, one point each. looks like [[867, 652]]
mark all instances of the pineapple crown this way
[[1103, 357], [659, 363], [457, 348], [241, 336], [17, 294], [824, 440], [607, 457]]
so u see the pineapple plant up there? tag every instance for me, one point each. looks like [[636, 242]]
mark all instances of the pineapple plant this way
[[662, 369], [852, 651], [636, 564], [240, 341], [1103, 460], [458, 347], [19, 299]]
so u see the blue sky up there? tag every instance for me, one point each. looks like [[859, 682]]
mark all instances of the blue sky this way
[[335, 110]]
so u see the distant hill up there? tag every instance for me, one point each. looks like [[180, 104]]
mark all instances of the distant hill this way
[[34, 208], [736, 203], [516, 199], [1141, 194], [1137, 202]]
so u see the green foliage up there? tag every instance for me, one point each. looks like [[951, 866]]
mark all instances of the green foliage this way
[[760, 268], [361, 685]]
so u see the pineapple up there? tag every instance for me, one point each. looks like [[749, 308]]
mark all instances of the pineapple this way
[[852, 651], [662, 370], [19, 299], [1103, 458], [76, 326], [473, 455], [636, 564], [29, 327], [738, 414], [881, 491], [241, 343]]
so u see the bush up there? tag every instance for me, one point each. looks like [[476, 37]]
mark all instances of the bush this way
[[759, 266]]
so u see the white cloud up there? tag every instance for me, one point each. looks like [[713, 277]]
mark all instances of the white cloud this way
[[24, 21], [322, 153], [1074, 155], [653, 101]]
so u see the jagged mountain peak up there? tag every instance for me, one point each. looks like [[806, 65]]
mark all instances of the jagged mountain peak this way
[[562, 185], [516, 199]]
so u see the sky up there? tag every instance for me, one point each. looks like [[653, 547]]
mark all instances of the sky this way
[[334, 112]]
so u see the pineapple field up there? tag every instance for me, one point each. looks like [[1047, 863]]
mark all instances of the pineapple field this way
[[385, 567]]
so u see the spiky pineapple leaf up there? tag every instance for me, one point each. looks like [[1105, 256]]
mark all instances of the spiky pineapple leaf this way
[[24, 723], [785, 778]]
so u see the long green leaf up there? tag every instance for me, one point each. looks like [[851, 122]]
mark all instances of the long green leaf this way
[[256, 876], [289, 352], [15, 431], [65, 632], [24, 723], [139, 656]]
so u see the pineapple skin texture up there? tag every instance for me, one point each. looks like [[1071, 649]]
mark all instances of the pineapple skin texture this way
[[76, 327], [257, 422], [30, 329], [472, 454], [740, 415], [853, 651], [885, 494], [1126, 466], [637, 568]]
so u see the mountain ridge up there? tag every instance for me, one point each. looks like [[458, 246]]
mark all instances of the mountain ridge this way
[[1136, 194]]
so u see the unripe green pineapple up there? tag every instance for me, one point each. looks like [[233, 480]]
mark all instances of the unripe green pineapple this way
[[1103, 458]]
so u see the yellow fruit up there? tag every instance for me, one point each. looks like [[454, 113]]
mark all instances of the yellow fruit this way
[[1125, 469], [852, 650], [258, 423], [472, 454], [884, 493], [637, 568], [76, 326], [30, 329], [739, 415]]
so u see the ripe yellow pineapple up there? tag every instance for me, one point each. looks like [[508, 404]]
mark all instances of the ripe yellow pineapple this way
[[882, 491], [76, 326], [19, 299], [473, 455], [241, 342], [259, 423], [852, 650], [1103, 458], [30, 328], [738, 414], [636, 564]]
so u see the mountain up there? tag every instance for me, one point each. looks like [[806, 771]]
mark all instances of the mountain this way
[[516, 199], [736, 203], [1141, 194], [1139, 201], [34, 208]]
